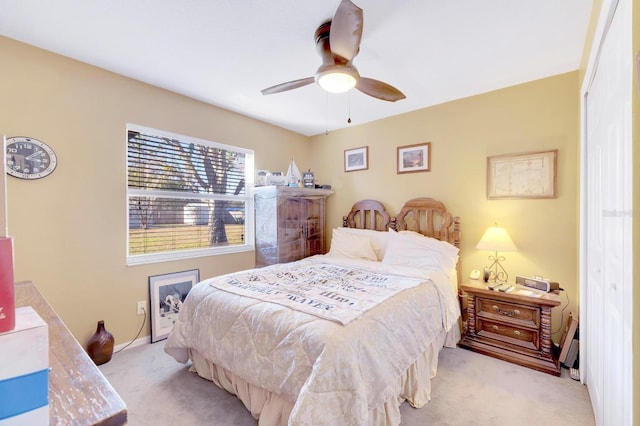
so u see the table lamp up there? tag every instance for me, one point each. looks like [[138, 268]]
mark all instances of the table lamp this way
[[496, 239]]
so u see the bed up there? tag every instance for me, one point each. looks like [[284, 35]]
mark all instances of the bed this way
[[341, 338]]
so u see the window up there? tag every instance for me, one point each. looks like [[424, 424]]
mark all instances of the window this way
[[186, 197]]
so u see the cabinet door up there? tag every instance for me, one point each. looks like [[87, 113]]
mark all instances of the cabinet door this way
[[313, 226], [291, 214]]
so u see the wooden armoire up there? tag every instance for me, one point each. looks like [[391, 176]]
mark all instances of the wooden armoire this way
[[290, 223]]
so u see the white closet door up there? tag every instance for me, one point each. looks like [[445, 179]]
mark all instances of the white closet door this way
[[608, 268], [592, 327]]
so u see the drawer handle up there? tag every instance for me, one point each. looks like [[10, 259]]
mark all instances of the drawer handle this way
[[516, 332], [495, 327], [515, 312]]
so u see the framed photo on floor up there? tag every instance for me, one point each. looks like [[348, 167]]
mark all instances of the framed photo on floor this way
[[167, 292]]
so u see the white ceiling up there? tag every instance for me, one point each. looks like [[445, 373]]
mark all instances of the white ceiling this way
[[224, 52]]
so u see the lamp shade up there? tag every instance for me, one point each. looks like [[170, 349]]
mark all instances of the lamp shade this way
[[496, 239]]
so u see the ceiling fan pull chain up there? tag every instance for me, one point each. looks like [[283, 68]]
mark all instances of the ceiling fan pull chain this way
[[349, 118]]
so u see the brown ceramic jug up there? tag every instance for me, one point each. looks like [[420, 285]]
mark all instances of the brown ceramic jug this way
[[100, 346]]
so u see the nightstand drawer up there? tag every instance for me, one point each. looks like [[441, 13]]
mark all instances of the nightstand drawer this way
[[516, 314], [509, 334]]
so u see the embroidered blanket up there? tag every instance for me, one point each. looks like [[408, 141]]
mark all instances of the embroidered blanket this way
[[334, 292]]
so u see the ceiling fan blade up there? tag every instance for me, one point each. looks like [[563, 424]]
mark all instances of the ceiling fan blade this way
[[379, 89], [289, 85], [346, 30]]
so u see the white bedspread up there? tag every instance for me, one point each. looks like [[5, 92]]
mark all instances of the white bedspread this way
[[334, 292], [333, 373]]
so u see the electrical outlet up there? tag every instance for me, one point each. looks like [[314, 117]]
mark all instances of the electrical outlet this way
[[141, 307]]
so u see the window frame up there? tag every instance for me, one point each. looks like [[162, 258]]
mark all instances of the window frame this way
[[247, 198]]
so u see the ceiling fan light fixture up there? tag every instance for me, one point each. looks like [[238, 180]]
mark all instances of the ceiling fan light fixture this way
[[337, 43], [337, 81]]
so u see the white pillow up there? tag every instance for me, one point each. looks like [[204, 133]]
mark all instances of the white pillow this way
[[448, 252], [351, 246], [407, 248], [378, 239]]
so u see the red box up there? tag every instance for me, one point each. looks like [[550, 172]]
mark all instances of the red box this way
[[7, 294]]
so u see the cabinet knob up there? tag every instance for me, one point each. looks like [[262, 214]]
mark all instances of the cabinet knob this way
[[516, 312], [495, 327], [495, 308], [516, 332]]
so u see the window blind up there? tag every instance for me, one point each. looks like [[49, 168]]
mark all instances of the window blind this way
[[186, 196]]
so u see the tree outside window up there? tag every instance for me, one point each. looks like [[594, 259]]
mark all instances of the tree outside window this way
[[186, 197]]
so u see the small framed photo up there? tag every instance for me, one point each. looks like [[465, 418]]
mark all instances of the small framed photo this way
[[528, 175], [356, 159], [166, 294], [414, 158]]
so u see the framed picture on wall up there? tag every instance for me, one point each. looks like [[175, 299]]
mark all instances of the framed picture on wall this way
[[166, 294], [414, 158], [356, 159], [528, 175]]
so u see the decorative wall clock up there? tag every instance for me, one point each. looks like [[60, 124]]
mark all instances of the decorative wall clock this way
[[29, 158]]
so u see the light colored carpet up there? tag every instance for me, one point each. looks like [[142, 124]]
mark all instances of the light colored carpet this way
[[469, 389]]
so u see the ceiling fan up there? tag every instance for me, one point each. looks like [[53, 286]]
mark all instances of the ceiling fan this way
[[337, 43]]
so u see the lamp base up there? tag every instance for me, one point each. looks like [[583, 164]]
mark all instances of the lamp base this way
[[499, 274]]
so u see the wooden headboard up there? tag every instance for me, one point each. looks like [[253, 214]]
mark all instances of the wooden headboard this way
[[423, 215], [367, 214], [428, 217]]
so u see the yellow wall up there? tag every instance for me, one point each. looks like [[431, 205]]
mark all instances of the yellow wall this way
[[70, 227], [537, 116]]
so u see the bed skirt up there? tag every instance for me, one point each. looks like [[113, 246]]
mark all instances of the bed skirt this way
[[271, 409]]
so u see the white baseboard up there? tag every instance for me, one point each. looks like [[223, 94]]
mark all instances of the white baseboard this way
[[139, 342]]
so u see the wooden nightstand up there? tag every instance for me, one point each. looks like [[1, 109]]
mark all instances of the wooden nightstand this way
[[512, 326]]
